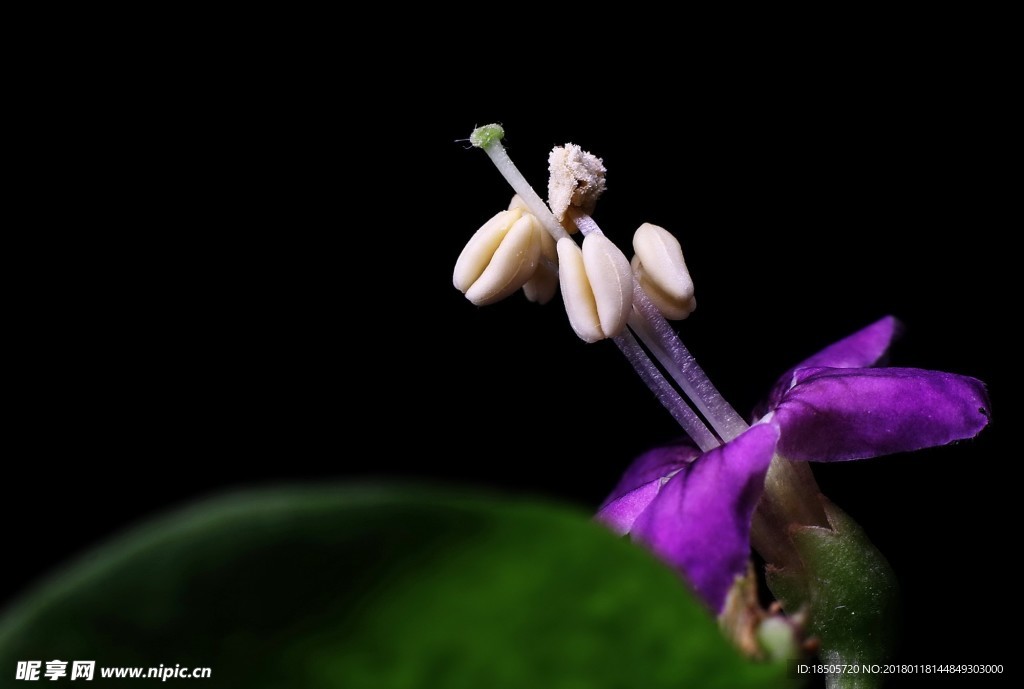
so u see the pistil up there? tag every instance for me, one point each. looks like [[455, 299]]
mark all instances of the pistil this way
[[489, 139]]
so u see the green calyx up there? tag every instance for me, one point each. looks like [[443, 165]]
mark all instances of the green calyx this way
[[849, 591]]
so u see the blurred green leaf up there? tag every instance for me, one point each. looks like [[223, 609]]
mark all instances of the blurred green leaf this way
[[363, 588]]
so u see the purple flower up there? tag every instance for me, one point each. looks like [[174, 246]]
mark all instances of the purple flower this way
[[694, 509]]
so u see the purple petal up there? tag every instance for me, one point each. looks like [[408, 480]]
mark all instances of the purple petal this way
[[620, 513], [640, 484], [834, 414], [700, 520], [651, 465], [862, 349]]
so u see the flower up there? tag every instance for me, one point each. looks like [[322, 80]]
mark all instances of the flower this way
[[694, 509]]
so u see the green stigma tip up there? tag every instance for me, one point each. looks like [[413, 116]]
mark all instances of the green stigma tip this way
[[484, 136]]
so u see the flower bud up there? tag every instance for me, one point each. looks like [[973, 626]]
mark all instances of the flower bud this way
[[500, 258], [661, 271], [597, 286]]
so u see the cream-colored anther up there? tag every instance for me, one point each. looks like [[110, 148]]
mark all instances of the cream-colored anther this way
[[542, 286], [499, 258], [544, 283], [517, 202], [661, 271], [597, 286], [576, 178]]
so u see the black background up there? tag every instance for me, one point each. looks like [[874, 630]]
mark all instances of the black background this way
[[261, 293]]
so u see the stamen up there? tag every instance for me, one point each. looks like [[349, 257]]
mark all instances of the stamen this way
[[542, 286], [575, 179], [500, 258], [489, 139], [597, 287], [611, 278], [666, 394], [660, 269], [659, 336]]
